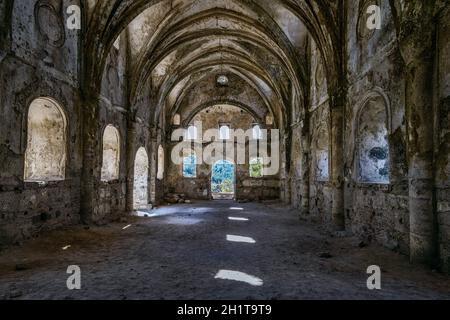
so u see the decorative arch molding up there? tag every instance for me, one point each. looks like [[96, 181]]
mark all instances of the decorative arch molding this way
[[49, 21], [361, 29], [370, 95]]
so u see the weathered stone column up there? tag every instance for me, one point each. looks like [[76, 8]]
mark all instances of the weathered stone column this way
[[337, 162], [305, 168], [91, 172], [130, 158], [417, 46]]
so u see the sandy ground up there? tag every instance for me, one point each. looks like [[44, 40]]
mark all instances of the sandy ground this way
[[177, 252]]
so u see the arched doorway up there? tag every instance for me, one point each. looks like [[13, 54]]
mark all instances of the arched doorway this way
[[140, 185], [223, 180]]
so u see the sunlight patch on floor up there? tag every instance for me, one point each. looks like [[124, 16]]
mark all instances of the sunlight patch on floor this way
[[182, 221], [232, 238], [239, 276], [237, 219]]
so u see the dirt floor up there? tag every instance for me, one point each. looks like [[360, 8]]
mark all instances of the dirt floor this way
[[182, 252]]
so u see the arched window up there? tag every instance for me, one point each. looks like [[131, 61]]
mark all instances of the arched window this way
[[372, 142], [111, 154], [190, 166], [45, 156], [256, 167], [192, 133], [140, 190], [224, 132], [176, 120], [161, 163], [257, 133]]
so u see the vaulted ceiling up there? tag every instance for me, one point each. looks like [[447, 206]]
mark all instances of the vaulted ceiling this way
[[175, 45]]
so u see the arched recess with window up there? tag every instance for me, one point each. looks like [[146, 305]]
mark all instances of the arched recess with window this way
[[46, 154], [372, 140], [111, 154]]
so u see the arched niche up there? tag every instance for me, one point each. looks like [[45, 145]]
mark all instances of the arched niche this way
[[45, 155], [140, 185], [111, 154], [177, 119], [372, 142], [161, 163]]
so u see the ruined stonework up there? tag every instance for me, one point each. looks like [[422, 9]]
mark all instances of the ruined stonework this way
[[363, 112]]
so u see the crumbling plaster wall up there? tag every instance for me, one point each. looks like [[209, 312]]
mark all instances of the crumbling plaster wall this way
[[111, 196], [442, 145], [319, 173], [319, 145], [42, 60], [375, 210], [247, 188]]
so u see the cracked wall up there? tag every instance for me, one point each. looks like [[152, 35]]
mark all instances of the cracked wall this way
[[246, 187]]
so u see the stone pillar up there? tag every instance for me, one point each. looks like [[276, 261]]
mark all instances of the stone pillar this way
[[91, 172], [130, 159], [305, 168], [337, 163], [417, 46]]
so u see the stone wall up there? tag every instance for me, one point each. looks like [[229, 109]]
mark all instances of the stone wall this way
[[376, 202], [42, 60], [246, 187], [443, 138]]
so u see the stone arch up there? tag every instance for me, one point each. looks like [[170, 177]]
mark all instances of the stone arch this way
[[46, 154], [372, 129], [111, 154]]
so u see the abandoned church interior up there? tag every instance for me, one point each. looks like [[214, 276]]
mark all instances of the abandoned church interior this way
[[351, 99]]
